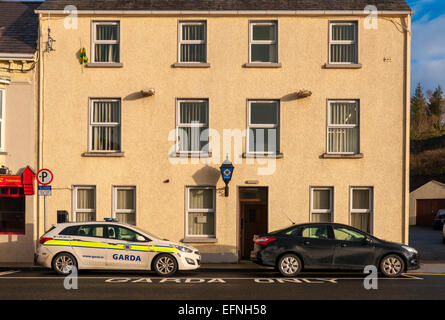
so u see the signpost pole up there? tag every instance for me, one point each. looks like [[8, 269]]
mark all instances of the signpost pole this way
[[44, 213]]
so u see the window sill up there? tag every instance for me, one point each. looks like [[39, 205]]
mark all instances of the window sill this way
[[104, 65], [103, 154], [263, 155], [343, 66], [262, 65], [191, 65], [341, 156], [190, 155], [199, 240]]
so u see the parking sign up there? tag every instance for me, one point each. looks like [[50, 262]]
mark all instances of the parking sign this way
[[44, 176]]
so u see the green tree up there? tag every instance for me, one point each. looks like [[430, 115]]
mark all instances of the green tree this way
[[420, 120], [436, 102]]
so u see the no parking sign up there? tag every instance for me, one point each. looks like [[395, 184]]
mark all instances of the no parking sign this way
[[44, 176]]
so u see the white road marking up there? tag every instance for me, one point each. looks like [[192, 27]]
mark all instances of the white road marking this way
[[8, 272]]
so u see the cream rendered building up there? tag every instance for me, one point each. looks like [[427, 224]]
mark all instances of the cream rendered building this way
[[323, 93]]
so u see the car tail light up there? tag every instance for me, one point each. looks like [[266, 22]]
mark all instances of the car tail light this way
[[44, 239], [264, 240]]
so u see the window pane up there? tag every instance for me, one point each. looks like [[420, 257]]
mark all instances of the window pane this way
[[263, 140], [126, 234], [321, 199], [321, 217], [343, 140], [193, 112], [106, 138], [347, 234], [344, 53], [129, 218], [201, 199], [263, 32], [264, 53], [263, 113], [106, 53], [360, 199], [125, 199], [343, 32], [106, 111], [343, 113], [193, 32], [85, 216], [320, 232], [91, 231], [201, 223], [193, 139], [361, 221], [106, 32], [85, 198], [193, 52]]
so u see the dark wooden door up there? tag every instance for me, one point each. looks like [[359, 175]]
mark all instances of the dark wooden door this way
[[426, 209], [253, 221]]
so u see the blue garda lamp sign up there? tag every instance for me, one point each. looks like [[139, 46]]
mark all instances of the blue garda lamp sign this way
[[226, 174]]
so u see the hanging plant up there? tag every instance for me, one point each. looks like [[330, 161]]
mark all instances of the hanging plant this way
[[83, 56]]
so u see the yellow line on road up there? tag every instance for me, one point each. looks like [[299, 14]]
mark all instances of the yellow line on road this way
[[425, 274]]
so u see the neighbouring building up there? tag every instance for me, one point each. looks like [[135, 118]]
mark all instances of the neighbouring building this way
[[425, 201], [18, 129], [143, 100]]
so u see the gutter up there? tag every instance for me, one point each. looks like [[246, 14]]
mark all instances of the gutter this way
[[229, 12]]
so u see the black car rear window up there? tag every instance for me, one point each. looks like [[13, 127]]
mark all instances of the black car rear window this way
[[70, 231]]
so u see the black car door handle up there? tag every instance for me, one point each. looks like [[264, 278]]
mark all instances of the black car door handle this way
[[306, 242], [344, 245]]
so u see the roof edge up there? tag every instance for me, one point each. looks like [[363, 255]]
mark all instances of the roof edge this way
[[227, 12]]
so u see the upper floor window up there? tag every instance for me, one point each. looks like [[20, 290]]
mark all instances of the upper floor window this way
[[263, 41], [2, 120], [192, 123], [263, 127], [105, 125], [343, 43], [192, 41], [343, 127], [106, 41]]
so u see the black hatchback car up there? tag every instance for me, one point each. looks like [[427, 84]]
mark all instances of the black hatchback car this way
[[330, 246]]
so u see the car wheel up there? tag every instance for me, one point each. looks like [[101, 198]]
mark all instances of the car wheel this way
[[165, 265], [392, 266], [289, 265], [63, 263]]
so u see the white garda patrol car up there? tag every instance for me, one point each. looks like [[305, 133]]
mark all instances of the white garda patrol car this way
[[111, 245]]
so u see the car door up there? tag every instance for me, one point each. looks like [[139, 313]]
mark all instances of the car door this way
[[317, 246], [88, 244], [352, 248], [128, 249]]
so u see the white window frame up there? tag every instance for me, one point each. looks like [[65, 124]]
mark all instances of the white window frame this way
[[94, 41], [115, 210], [343, 126], [270, 42], [371, 206], [180, 125], [74, 197], [263, 126], [182, 41], [331, 42], [2, 119], [331, 203], [189, 210], [92, 124]]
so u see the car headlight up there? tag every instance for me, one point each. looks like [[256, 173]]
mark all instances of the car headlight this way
[[183, 249], [409, 249]]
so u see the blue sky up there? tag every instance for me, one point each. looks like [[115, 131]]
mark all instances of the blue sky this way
[[428, 43]]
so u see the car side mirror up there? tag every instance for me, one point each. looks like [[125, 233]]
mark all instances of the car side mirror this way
[[140, 238], [367, 240]]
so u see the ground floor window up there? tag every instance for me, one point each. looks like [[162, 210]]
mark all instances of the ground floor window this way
[[12, 215], [321, 204], [361, 208], [200, 213], [84, 203], [124, 204]]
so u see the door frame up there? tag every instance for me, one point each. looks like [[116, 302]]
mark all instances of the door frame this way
[[238, 213]]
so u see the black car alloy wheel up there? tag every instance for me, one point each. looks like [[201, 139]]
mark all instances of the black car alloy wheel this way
[[289, 265]]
